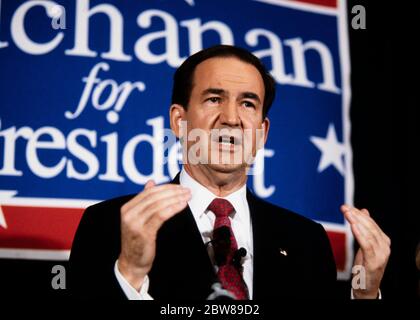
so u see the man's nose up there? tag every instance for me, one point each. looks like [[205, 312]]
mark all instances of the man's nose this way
[[229, 114]]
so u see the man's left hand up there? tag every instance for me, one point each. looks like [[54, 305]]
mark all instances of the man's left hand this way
[[375, 248]]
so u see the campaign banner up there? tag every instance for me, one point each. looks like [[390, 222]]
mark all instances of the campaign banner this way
[[85, 89]]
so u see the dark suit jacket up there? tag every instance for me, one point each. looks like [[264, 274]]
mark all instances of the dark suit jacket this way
[[182, 269]]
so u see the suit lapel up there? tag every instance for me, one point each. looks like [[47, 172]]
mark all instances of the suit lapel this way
[[269, 264], [258, 235]]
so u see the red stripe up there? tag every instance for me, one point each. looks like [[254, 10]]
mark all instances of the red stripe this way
[[39, 227], [325, 3], [338, 244], [54, 229]]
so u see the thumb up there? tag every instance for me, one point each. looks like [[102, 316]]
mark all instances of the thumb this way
[[149, 184]]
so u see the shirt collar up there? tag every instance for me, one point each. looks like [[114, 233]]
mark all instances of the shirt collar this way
[[201, 197]]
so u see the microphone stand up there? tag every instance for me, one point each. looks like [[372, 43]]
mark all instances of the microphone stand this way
[[219, 293]]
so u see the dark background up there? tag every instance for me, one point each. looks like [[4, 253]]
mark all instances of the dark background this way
[[385, 134], [384, 137]]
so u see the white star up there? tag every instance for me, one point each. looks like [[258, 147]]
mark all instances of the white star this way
[[332, 151]]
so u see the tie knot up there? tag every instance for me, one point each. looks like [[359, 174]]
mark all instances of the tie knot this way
[[221, 207]]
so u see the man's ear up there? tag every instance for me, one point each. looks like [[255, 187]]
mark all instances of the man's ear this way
[[266, 128], [176, 115]]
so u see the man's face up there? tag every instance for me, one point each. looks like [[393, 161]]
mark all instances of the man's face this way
[[226, 110]]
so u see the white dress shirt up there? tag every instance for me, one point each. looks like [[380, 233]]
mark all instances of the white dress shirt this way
[[204, 218]]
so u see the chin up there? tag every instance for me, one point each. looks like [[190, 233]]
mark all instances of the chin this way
[[227, 168]]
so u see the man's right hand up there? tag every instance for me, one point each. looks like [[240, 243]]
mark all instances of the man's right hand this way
[[141, 218]]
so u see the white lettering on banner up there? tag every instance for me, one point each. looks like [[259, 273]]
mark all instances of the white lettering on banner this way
[[170, 36], [111, 173], [275, 52], [156, 141], [68, 150], [81, 37], [34, 145], [117, 97], [298, 52], [9, 148], [82, 154], [258, 181], [300, 77], [196, 30], [76, 155], [19, 35], [54, 139]]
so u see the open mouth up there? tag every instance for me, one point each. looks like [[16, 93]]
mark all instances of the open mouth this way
[[229, 140]]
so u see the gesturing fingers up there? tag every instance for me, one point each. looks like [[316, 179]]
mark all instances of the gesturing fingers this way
[[364, 240], [141, 218], [362, 217], [367, 227], [164, 212], [366, 212], [158, 201], [142, 211], [149, 190], [149, 184], [372, 240]]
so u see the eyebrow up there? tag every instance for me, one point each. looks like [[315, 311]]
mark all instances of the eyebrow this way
[[251, 95], [213, 91], [218, 91]]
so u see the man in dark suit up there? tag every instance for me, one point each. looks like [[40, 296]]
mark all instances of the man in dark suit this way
[[174, 241]]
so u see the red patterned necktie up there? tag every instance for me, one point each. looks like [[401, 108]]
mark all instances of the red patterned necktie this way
[[229, 275]]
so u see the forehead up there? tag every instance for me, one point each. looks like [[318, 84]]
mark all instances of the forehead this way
[[228, 73]]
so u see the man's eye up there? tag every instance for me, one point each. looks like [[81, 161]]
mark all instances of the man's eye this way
[[214, 99], [248, 104]]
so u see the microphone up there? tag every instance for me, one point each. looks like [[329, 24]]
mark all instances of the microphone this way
[[221, 244], [222, 234], [237, 258], [218, 292]]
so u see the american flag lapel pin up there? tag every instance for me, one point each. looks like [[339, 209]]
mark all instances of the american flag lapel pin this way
[[283, 252]]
